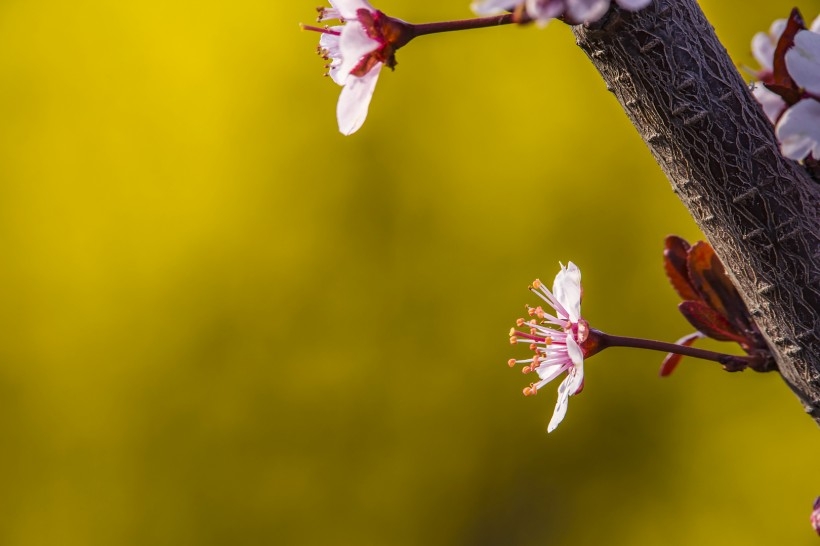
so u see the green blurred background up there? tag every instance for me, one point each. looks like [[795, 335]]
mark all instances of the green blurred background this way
[[224, 323]]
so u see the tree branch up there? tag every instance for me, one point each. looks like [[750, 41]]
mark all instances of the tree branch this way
[[760, 211]]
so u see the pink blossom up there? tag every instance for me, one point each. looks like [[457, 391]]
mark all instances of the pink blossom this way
[[798, 129], [793, 104], [574, 11], [357, 50], [815, 515], [556, 339]]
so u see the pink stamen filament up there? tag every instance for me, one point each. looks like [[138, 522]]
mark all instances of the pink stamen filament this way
[[322, 30]]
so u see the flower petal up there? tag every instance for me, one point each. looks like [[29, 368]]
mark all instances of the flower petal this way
[[567, 290], [634, 5], [803, 61], [776, 29], [351, 110], [799, 130], [576, 373], [544, 10], [490, 7], [329, 13], [348, 8], [763, 44], [571, 385], [548, 372], [560, 406], [773, 105], [575, 353], [354, 43], [330, 46], [763, 50], [586, 10]]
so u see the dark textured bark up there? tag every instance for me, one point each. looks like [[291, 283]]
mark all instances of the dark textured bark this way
[[760, 211]]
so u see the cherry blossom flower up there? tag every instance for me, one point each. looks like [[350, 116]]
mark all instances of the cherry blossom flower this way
[[357, 50], [798, 129], [556, 339], [815, 516], [574, 11], [789, 92]]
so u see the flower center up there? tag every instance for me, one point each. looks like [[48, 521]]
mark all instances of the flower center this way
[[391, 35]]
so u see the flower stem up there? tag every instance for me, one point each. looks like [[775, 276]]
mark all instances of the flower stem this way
[[608, 340], [463, 24]]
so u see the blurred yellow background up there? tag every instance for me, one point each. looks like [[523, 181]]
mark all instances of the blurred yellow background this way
[[225, 323]]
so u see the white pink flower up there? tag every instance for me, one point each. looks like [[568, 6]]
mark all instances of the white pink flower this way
[[357, 50], [555, 339], [798, 129], [794, 107], [541, 11]]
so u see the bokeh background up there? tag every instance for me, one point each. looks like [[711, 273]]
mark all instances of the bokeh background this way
[[221, 322]]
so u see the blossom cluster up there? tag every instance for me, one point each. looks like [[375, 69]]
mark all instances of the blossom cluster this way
[[541, 11], [789, 86]]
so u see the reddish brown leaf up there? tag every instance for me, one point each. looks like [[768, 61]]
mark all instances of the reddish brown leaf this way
[[674, 262], [707, 275], [673, 359], [715, 288], [710, 322]]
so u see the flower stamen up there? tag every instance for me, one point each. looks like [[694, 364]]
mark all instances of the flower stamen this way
[[322, 30]]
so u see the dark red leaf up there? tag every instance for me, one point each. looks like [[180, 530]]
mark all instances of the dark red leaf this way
[[674, 262], [716, 290], [710, 322]]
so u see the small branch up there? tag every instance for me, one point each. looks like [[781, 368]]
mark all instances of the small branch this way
[[609, 340], [463, 24]]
